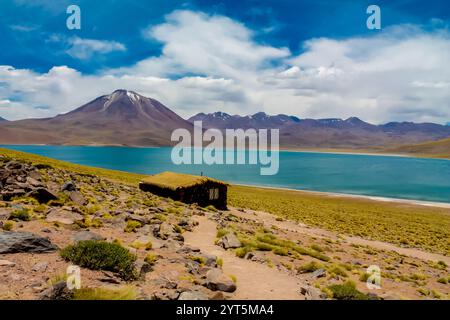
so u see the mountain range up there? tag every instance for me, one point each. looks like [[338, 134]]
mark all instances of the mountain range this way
[[128, 118], [329, 133]]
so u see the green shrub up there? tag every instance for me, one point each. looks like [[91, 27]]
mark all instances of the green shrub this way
[[242, 251], [221, 232], [280, 251], [364, 276], [101, 255], [151, 259], [132, 226], [198, 259], [346, 291], [178, 229], [8, 225], [444, 280], [337, 271], [310, 267], [20, 214], [440, 265], [40, 208], [160, 217], [136, 244], [124, 293], [211, 208], [317, 248]]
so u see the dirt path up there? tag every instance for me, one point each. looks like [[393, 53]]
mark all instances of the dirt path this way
[[288, 225], [254, 281]]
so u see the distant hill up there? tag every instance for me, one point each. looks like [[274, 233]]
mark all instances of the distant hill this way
[[222, 120], [2, 119], [120, 118], [335, 133], [439, 149]]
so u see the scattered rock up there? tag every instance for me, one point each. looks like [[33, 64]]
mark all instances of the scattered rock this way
[[58, 291], [77, 198], [69, 186], [87, 235], [312, 293], [217, 296], [193, 295], [138, 218], [63, 216], [142, 268], [165, 295], [165, 283], [187, 249], [210, 260], [42, 195], [35, 175], [6, 263], [229, 241], [255, 256], [33, 182], [217, 281], [165, 230], [110, 277], [14, 242], [40, 266], [319, 273], [4, 214]]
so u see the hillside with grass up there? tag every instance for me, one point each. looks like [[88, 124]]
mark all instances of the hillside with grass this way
[[269, 244], [435, 149]]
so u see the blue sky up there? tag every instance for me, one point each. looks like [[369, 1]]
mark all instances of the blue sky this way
[[304, 57]]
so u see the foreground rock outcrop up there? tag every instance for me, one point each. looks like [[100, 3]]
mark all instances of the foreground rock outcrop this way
[[43, 209]]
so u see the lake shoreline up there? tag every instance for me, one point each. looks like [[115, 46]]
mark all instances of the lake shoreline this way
[[356, 196], [364, 152], [420, 197]]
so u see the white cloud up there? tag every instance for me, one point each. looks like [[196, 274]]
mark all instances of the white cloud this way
[[86, 48], [401, 73], [208, 45]]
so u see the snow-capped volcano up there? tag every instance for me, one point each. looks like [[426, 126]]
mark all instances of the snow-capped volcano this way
[[122, 117]]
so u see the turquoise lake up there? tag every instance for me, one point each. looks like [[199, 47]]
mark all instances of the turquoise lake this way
[[383, 176]]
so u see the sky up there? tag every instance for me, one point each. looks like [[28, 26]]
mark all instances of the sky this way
[[308, 58]]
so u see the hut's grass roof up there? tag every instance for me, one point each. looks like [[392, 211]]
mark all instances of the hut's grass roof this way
[[173, 180]]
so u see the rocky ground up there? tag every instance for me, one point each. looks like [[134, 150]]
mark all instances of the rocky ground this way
[[180, 251]]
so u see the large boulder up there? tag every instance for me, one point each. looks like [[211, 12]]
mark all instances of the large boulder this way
[[15, 242], [63, 216], [229, 241], [217, 281]]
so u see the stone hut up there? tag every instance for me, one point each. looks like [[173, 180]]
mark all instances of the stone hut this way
[[187, 188]]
